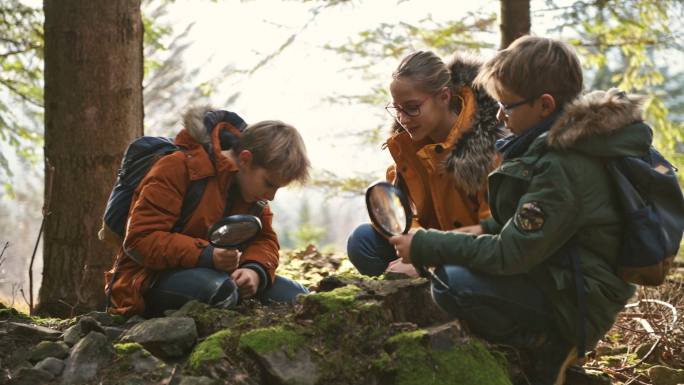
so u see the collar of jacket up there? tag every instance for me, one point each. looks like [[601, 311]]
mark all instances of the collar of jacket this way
[[195, 136], [602, 122]]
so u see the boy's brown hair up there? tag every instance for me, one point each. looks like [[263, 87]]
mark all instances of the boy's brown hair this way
[[277, 147], [532, 66]]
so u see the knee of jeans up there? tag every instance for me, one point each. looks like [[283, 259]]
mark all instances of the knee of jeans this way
[[361, 251], [460, 279]]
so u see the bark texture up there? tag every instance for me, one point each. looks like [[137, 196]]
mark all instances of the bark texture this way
[[515, 20], [93, 109]]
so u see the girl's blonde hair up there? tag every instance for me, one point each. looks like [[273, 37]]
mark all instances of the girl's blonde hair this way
[[428, 73]]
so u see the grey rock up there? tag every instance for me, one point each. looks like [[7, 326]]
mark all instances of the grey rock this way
[[46, 349], [136, 319], [103, 318], [443, 337], [31, 376], [90, 353], [89, 324], [143, 362], [190, 380], [113, 333], [164, 337], [51, 365], [662, 375], [297, 369], [73, 334], [33, 331]]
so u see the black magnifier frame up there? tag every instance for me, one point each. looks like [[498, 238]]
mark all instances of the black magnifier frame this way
[[403, 199], [238, 219], [391, 189]]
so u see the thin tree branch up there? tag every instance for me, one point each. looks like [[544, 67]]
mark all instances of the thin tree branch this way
[[27, 99]]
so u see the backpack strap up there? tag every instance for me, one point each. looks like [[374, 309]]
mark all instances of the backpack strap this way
[[192, 197]]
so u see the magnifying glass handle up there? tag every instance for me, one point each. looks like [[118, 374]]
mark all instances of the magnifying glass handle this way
[[429, 274]]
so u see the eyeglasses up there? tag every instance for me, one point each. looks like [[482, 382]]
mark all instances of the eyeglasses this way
[[507, 108], [412, 110]]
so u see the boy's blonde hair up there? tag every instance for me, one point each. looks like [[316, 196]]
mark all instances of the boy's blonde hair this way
[[532, 66], [278, 148]]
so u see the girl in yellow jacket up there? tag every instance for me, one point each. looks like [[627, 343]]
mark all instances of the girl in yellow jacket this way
[[442, 144]]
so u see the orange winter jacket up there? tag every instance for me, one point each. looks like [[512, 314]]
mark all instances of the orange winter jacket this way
[[150, 246], [440, 200]]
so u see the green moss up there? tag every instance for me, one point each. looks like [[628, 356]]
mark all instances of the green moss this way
[[337, 299], [118, 319], [271, 339], [467, 364], [209, 350], [127, 348]]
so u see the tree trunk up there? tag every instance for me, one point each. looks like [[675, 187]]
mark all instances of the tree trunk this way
[[93, 109], [515, 20]]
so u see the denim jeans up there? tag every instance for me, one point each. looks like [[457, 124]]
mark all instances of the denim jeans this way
[[369, 251], [508, 310], [173, 288]]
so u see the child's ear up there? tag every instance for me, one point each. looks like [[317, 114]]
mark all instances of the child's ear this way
[[445, 94], [548, 104], [245, 158]]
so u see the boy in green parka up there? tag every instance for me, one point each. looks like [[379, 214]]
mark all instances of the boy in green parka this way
[[553, 205]]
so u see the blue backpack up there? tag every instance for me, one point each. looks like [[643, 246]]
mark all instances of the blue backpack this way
[[653, 216], [652, 208], [139, 157]]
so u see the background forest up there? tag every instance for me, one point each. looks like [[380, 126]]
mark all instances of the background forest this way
[[321, 65]]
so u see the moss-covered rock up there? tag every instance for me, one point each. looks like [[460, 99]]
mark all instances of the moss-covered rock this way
[[270, 339], [210, 350], [466, 363], [127, 348]]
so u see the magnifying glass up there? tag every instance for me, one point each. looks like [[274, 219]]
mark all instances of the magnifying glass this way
[[389, 210], [234, 231]]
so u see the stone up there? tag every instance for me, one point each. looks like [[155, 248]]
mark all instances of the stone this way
[[89, 324], [290, 369], [87, 357], [662, 375], [33, 331], [46, 349], [52, 365], [73, 334], [136, 319], [190, 380], [31, 376], [164, 337], [102, 318], [113, 333], [143, 361]]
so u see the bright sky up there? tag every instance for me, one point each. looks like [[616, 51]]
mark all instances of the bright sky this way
[[292, 87]]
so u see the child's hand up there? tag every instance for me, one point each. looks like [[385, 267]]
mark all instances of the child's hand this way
[[226, 259], [247, 281], [402, 244], [397, 266]]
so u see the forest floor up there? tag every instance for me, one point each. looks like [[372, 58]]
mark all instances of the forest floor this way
[[645, 346]]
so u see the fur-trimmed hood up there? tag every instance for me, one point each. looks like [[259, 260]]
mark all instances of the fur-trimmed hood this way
[[193, 122], [472, 150], [602, 123]]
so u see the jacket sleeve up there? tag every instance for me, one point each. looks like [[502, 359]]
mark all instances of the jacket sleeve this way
[[155, 210], [517, 248], [264, 248]]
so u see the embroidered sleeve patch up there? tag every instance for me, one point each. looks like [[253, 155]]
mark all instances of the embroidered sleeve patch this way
[[530, 217]]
